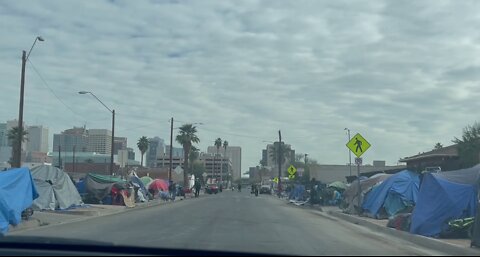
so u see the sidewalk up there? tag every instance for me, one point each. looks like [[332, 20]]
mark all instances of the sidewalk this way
[[450, 246], [47, 217]]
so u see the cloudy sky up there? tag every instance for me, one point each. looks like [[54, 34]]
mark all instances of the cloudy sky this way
[[404, 74]]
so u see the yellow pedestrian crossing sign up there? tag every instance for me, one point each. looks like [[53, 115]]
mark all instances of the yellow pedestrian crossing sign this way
[[292, 170], [275, 180], [358, 145]]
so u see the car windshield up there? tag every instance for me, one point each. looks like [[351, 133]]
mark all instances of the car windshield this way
[[305, 127]]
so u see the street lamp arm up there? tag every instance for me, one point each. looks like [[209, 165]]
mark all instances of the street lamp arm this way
[[31, 48], [84, 92]]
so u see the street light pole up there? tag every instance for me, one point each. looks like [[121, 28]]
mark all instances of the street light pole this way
[[113, 127], [171, 150], [279, 161], [18, 153], [113, 142], [349, 152]]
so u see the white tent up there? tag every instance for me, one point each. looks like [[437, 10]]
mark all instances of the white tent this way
[[55, 188]]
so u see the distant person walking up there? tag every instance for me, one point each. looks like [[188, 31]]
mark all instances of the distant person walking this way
[[197, 187], [172, 189]]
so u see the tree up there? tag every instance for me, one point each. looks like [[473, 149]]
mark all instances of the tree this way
[[193, 155], [13, 141], [299, 157], [225, 145], [143, 147], [438, 146], [198, 168], [186, 137], [284, 149], [469, 145], [218, 144]]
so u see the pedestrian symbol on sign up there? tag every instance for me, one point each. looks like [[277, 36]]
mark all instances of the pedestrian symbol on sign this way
[[358, 143]]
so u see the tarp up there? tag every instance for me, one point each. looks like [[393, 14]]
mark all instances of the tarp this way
[[158, 185], [351, 193], [139, 182], [146, 180], [394, 194], [55, 188], [443, 197], [99, 186], [17, 192], [338, 185]]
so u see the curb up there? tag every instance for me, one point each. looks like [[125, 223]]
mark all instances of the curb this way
[[415, 239], [85, 215]]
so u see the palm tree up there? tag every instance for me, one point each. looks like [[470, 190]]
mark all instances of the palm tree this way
[[186, 137], [218, 144], [225, 145], [142, 146], [193, 155], [13, 141]]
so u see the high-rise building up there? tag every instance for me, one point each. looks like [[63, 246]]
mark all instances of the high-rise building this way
[[3, 134], [234, 153], [156, 149], [131, 153], [176, 151], [119, 143], [100, 141], [77, 136], [216, 165], [37, 139]]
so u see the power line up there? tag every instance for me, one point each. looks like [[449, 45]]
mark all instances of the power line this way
[[51, 90]]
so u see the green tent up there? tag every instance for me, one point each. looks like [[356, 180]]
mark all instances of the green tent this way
[[338, 185], [104, 179], [146, 180]]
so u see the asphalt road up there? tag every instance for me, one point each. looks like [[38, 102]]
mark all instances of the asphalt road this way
[[235, 221]]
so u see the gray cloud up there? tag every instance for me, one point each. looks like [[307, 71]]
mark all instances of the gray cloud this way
[[401, 73]]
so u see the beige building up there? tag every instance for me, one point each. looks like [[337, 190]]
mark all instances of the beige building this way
[[37, 139], [234, 154], [330, 173], [100, 141]]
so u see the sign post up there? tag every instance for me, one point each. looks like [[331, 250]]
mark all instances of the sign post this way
[[358, 145]]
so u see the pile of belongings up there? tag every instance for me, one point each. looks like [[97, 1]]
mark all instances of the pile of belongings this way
[[400, 221]]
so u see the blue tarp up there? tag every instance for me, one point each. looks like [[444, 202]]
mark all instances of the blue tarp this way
[[394, 194], [17, 192], [443, 197], [298, 193]]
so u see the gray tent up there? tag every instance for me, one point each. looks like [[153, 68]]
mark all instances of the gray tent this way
[[351, 193], [55, 188]]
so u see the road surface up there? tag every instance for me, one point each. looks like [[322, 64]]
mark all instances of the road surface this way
[[234, 221]]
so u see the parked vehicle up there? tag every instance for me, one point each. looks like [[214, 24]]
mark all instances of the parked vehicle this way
[[211, 189], [265, 189]]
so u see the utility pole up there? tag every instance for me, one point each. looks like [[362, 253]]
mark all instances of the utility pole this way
[[113, 142], [59, 157], [18, 154], [73, 163], [171, 150], [305, 169], [349, 152], [279, 161]]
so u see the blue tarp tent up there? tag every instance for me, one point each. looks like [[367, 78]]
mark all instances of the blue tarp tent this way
[[443, 197], [394, 194], [17, 192]]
